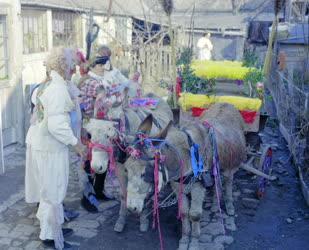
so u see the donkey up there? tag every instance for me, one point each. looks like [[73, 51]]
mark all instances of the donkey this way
[[104, 137], [177, 143], [101, 132]]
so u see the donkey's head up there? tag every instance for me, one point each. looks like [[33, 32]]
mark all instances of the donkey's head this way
[[140, 167], [102, 134]]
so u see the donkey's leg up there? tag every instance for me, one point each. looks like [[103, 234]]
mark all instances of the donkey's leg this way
[[228, 194], [195, 213], [121, 221], [144, 221], [186, 225]]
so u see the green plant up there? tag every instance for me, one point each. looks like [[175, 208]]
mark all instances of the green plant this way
[[253, 77], [190, 82], [250, 58], [298, 77]]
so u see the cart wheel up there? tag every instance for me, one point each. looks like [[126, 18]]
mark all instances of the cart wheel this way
[[265, 167]]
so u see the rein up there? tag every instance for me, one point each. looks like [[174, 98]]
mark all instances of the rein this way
[[215, 167], [159, 158]]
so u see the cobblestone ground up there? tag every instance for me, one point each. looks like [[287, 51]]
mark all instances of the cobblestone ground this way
[[19, 228]]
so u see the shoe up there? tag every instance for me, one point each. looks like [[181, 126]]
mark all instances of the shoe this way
[[70, 215], [67, 232], [103, 197], [51, 244], [98, 185], [86, 204]]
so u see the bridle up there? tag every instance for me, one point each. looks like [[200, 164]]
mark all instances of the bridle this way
[[105, 148]]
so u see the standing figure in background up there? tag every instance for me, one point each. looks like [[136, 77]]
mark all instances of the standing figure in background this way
[[205, 47]]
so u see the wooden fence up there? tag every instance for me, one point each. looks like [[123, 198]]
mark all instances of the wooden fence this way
[[153, 62]]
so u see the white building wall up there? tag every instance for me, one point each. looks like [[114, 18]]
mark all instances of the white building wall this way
[[11, 89]]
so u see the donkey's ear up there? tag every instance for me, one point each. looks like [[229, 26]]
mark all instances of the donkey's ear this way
[[126, 97], [163, 133], [146, 125]]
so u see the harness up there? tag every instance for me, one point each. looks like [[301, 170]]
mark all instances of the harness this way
[[196, 160]]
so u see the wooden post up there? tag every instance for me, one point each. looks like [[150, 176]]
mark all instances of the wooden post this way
[[288, 10]]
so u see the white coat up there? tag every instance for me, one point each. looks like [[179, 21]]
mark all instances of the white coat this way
[[49, 145], [32, 188]]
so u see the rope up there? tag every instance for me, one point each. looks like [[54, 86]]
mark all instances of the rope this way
[[230, 145], [149, 143], [180, 191], [156, 215], [216, 172]]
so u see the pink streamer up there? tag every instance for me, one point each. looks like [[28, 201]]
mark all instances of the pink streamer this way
[[156, 215]]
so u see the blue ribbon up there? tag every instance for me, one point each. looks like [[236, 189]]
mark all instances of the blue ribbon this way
[[196, 161], [92, 199], [74, 121]]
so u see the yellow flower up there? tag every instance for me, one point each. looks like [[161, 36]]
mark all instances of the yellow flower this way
[[232, 70], [188, 101]]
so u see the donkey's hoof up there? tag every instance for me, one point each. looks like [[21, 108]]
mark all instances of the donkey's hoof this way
[[194, 244], [230, 210], [119, 226], [184, 243], [143, 227]]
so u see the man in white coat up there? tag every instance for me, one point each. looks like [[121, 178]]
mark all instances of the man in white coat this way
[[205, 47], [50, 145]]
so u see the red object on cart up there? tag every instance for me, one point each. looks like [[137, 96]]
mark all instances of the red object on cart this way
[[196, 112], [247, 115]]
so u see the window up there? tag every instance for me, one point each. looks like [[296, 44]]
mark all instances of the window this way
[[4, 59], [34, 31], [121, 30], [66, 29]]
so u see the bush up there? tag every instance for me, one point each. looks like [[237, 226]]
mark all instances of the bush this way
[[190, 82]]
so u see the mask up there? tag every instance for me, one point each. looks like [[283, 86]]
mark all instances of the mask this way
[[107, 66]]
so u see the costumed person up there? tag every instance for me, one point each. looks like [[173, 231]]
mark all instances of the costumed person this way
[[92, 88], [50, 145], [103, 89], [32, 189], [205, 47]]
